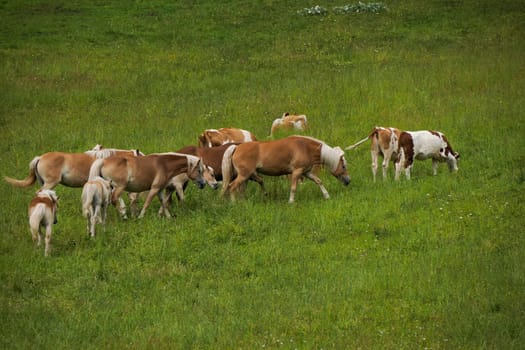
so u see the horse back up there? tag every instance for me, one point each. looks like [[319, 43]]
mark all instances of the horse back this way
[[70, 169], [278, 157]]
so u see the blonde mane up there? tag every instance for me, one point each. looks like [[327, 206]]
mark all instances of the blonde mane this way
[[330, 156], [99, 152]]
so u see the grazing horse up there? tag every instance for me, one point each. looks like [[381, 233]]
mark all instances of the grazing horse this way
[[384, 143], [211, 157], [68, 169], [295, 155], [152, 173], [423, 145], [42, 213], [214, 137], [96, 195]]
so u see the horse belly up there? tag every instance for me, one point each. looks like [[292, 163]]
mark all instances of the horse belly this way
[[74, 177]]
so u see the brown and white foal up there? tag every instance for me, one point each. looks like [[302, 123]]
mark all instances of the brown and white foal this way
[[384, 143], [42, 213]]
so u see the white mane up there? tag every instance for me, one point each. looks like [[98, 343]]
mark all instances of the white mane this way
[[330, 156], [99, 152]]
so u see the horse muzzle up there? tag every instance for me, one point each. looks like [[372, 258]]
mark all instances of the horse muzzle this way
[[345, 180], [201, 184]]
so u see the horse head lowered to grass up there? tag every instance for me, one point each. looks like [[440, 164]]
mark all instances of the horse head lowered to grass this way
[[297, 156], [153, 173]]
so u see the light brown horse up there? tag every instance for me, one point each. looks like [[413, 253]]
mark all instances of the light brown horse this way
[[152, 173], [217, 137], [295, 155], [68, 169]]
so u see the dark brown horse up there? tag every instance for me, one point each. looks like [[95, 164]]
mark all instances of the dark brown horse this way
[[294, 155], [152, 173], [211, 157]]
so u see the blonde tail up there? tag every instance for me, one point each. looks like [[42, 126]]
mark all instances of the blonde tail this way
[[30, 179], [94, 171], [374, 131], [227, 168]]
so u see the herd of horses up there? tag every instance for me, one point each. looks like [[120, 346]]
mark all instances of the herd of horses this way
[[106, 173]]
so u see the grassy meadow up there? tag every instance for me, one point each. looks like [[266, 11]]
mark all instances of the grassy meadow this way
[[432, 263]]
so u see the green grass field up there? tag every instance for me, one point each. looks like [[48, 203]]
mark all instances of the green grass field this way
[[432, 263]]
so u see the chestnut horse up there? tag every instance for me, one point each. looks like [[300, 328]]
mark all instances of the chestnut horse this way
[[295, 155], [68, 169], [152, 173]]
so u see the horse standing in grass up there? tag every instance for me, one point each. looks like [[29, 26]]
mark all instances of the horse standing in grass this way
[[384, 143], [96, 195], [152, 173], [211, 156], [42, 214], [294, 155], [68, 169]]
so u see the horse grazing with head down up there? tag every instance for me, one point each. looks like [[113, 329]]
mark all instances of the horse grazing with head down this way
[[294, 155], [68, 169], [152, 173]]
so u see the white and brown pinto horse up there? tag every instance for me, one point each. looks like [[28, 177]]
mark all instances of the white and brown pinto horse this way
[[421, 145], [152, 173], [384, 143], [68, 169], [294, 155]]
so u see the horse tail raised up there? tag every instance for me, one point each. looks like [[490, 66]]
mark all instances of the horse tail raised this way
[[372, 133], [30, 179], [94, 171], [227, 168]]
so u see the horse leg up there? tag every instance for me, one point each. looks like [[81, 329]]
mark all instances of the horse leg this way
[[319, 183], [180, 191], [48, 239], [95, 219], [89, 218], [386, 161], [435, 164], [296, 175], [133, 199], [259, 180], [234, 185], [115, 197], [35, 234], [151, 194], [163, 205], [374, 163]]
